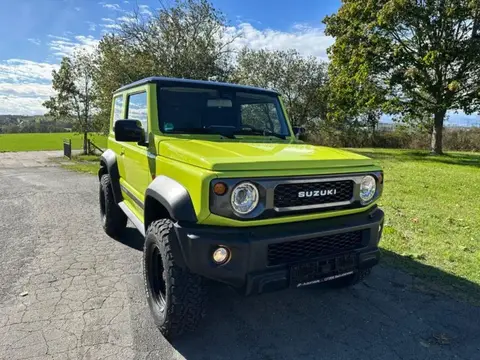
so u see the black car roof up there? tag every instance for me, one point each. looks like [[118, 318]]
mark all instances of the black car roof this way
[[177, 81]]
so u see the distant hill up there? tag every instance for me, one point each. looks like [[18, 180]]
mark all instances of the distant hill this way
[[32, 124]]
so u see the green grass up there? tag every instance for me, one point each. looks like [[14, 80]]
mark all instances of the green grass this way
[[432, 207], [45, 141], [80, 163]]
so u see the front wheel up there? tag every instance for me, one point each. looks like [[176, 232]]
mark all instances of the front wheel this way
[[176, 297]]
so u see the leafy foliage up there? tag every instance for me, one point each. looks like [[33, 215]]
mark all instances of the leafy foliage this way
[[75, 96], [421, 56], [300, 80], [187, 40]]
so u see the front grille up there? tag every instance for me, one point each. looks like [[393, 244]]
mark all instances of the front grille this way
[[287, 195], [287, 252]]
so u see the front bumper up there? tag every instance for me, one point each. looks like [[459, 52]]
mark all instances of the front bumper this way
[[252, 267]]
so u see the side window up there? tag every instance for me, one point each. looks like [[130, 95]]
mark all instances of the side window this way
[[137, 110], [117, 109], [261, 116]]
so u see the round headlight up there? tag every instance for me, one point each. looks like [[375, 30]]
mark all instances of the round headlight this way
[[367, 188], [244, 198]]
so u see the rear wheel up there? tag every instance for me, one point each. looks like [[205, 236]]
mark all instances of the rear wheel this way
[[114, 220], [176, 297], [350, 280]]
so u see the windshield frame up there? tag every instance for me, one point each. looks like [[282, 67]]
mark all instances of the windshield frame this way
[[276, 101]]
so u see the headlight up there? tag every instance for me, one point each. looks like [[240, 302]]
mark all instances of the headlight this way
[[367, 188], [244, 198]]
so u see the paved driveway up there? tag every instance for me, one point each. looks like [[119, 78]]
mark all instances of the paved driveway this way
[[68, 291]]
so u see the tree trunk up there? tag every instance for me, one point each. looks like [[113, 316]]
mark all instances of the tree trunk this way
[[437, 132], [85, 143]]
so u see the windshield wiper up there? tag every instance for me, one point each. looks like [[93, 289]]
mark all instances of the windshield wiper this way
[[200, 131], [264, 132]]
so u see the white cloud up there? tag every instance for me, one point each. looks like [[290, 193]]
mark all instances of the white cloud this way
[[111, 6], [125, 19], [58, 37], [111, 26], [91, 26], [34, 41], [24, 86], [26, 89], [68, 46], [19, 105], [77, 8], [145, 10], [307, 40], [25, 71]]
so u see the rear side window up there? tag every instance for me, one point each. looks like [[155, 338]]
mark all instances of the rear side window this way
[[137, 110], [117, 109]]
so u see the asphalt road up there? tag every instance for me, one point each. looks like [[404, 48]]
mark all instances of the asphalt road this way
[[68, 291]]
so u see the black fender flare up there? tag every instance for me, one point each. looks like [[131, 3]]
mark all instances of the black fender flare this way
[[173, 197], [108, 160]]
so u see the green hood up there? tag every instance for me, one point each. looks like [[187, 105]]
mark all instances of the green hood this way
[[224, 155]]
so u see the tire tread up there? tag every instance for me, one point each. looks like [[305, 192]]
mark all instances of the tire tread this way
[[188, 295]]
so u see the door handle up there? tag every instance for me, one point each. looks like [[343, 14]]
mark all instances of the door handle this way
[[122, 151]]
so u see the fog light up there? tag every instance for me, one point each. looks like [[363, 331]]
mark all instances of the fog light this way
[[221, 255]]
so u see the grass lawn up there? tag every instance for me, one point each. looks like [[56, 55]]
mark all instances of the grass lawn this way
[[81, 163], [45, 141], [432, 207]]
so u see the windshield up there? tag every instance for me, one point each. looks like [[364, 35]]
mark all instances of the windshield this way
[[225, 111]]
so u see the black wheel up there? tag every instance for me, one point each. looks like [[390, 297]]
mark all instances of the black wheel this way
[[176, 297], [350, 280], [114, 220]]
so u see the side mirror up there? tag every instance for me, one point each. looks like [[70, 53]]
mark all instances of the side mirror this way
[[298, 131], [129, 130]]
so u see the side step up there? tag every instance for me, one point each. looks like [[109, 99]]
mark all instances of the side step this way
[[133, 218]]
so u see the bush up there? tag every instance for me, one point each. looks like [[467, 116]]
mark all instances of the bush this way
[[400, 138]]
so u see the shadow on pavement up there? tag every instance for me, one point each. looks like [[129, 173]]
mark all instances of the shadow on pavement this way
[[390, 316], [131, 237]]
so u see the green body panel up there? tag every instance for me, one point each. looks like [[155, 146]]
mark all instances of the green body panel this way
[[195, 160], [244, 154]]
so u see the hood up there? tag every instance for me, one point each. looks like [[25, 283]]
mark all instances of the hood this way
[[222, 155]]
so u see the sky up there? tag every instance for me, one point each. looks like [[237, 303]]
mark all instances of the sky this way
[[36, 34]]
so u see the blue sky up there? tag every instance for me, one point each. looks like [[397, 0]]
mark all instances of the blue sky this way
[[37, 33]]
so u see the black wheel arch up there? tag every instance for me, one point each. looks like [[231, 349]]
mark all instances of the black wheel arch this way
[[165, 198], [108, 165], [173, 198]]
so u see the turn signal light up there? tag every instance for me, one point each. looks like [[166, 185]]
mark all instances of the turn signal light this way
[[220, 188]]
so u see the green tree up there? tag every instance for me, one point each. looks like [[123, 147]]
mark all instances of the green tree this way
[[352, 103], [75, 95], [423, 54], [300, 80], [186, 40]]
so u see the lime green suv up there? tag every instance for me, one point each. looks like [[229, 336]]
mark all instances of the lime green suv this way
[[214, 177]]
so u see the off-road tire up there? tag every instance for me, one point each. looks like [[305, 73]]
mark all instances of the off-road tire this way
[[350, 280], [114, 220], [184, 294]]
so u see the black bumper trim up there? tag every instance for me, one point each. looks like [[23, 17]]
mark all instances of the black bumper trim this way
[[248, 268]]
